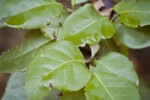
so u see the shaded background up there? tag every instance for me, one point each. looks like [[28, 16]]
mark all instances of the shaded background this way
[[11, 37], [8, 38]]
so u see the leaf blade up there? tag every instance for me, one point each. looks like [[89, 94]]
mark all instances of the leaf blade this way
[[131, 15], [16, 87], [112, 85], [14, 7], [86, 26], [41, 17], [59, 57], [17, 59], [133, 38]]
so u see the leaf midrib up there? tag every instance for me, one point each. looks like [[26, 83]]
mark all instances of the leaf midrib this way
[[108, 68], [103, 86], [88, 25], [59, 66], [112, 71]]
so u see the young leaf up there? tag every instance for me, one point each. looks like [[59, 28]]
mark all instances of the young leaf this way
[[74, 2], [134, 38], [86, 26], [36, 18], [14, 7], [16, 87], [136, 15], [113, 79], [77, 95], [59, 64], [19, 58]]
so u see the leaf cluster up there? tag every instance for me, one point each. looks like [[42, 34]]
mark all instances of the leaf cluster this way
[[51, 65]]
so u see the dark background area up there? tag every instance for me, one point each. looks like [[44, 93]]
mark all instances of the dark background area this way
[[8, 38], [11, 37]]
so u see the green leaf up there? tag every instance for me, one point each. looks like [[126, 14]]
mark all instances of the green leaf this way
[[86, 26], [16, 87], [14, 7], [35, 18], [77, 95], [113, 79], [59, 64], [134, 38], [51, 31], [118, 64], [144, 90], [74, 2], [18, 58], [134, 12]]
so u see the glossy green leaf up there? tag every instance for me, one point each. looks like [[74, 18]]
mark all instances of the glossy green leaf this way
[[59, 64], [74, 2], [18, 58], [86, 26], [113, 79], [77, 95], [16, 87], [14, 7], [35, 18], [134, 12], [134, 38]]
